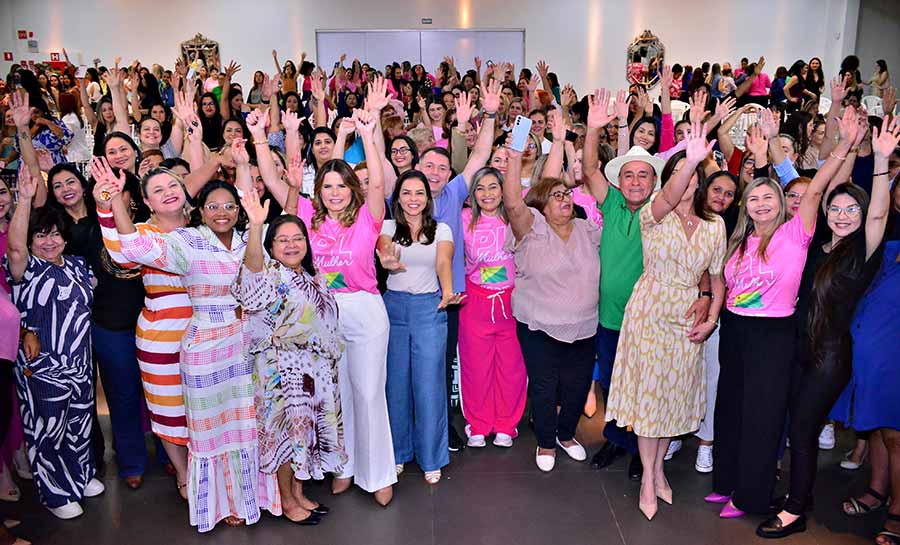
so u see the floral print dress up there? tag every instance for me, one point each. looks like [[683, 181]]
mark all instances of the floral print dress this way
[[294, 344]]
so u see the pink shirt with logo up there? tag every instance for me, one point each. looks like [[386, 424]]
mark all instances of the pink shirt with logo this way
[[768, 288], [344, 255], [487, 263]]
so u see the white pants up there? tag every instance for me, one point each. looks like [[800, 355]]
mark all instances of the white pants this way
[[362, 373], [711, 368]]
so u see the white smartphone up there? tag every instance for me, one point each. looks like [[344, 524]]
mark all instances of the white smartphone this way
[[521, 128], [82, 70]]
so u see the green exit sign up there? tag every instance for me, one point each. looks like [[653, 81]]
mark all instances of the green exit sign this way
[[426, 20]]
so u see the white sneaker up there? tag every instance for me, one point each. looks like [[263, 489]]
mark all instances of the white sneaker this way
[[545, 462], [93, 488], [475, 441], [674, 446], [704, 463], [399, 469], [575, 452], [826, 437], [68, 511], [503, 440]]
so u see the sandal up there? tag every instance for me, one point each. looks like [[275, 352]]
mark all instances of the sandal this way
[[860, 509], [233, 521], [433, 477], [180, 487], [892, 537]]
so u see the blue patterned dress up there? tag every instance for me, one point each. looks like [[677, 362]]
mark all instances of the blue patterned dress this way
[[56, 389]]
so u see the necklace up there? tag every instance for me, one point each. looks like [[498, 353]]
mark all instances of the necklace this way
[[685, 218]]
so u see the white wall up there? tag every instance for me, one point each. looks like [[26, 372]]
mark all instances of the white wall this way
[[878, 36], [583, 40]]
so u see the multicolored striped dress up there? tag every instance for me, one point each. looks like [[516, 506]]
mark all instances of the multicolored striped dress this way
[[217, 373], [160, 327]]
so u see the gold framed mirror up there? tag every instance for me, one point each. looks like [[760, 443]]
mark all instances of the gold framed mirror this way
[[644, 60], [201, 48]]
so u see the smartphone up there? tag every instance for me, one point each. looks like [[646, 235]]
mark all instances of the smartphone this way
[[337, 63], [521, 129], [489, 62], [82, 70]]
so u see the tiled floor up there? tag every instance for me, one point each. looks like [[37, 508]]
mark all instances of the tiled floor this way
[[489, 496]]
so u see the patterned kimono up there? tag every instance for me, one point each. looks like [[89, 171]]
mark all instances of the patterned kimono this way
[[223, 464], [293, 321], [56, 389]]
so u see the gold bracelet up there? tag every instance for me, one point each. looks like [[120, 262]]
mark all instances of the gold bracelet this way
[[838, 157], [260, 142]]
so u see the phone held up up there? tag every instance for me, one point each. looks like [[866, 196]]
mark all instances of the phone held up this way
[[521, 129]]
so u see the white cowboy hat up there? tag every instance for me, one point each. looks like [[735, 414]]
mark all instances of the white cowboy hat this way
[[636, 153]]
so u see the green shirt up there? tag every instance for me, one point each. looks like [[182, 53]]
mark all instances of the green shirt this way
[[621, 258]]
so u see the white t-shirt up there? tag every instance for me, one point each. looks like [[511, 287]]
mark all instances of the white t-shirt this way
[[420, 275]]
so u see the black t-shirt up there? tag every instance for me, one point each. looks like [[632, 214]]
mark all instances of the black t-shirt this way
[[119, 295]]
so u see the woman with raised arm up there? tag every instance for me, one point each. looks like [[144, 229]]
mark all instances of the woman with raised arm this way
[[657, 383], [295, 347], [766, 255], [53, 293], [492, 373], [554, 304], [344, 227], [225, 482], [166, 312]]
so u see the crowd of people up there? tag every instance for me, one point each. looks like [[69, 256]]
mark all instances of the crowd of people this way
[[277, 279]]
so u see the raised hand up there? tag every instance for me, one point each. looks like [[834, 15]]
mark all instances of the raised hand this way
[[20, 109], [490, 96], [265, 88], [697, 147], [232, 69], [106, 184], [756, 141], [621, 106], [390, 259], [769, 123], [557, 125], [848, 126], [724, 108], [317, 87], [256, 123], [568, 97], [377, 97], [256, 212], [291, 121], [533, 84], [543, 69], [463, 109], [364, 123], [478, 64], [698, 105], [239, 152], [295, 172], [839, 88], [665, 78], [113, 77], [885, 141], [26, 186], [598, 109]]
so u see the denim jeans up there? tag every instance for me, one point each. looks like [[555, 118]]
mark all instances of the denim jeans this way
[[607, 341], [121, 376], [416, 378]]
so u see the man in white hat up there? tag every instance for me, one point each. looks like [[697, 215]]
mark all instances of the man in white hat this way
[[628, 182]]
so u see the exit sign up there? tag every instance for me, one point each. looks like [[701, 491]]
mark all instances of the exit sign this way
[[426, 20]]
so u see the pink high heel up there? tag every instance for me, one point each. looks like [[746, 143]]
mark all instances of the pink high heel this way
[[717, 498], [731, 512]]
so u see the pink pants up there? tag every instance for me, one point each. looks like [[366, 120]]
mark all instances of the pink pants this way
[[493, 381]]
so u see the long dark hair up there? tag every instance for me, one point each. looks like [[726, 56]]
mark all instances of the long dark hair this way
[[72, 169], [476, 210], [643, 121], [842, 277], [412, 149], [699, 203], [148, 88], [212, 126], [307, 261], [29, 82], [196, 220], [402, 234]]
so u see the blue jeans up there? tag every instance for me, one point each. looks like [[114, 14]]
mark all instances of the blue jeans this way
[[416, 382], [607, 341], [121, 376]]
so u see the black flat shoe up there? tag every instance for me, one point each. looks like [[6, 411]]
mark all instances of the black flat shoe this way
[[607, 454], [321, 510], [455, 443], [775, 529], [635, 468], [312, 520]]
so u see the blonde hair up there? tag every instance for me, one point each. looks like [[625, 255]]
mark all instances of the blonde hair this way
[[745, 226]]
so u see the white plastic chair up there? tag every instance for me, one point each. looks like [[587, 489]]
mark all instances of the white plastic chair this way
[[872, 104], [739, 130], [678, 109]]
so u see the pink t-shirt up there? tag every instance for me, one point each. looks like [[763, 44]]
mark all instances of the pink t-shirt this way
[[768, 288], [760, 86], [344, 255], [487, 263], [585, 200]]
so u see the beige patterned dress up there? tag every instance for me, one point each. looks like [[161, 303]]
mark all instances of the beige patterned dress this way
[[658, 386]]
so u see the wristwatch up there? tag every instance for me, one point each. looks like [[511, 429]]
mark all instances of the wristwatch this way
[[705, 294], [490, 115]]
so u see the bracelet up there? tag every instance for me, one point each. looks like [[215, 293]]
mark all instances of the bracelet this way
[[625, 126], [885, 173], [705, 294], [260, 142], [838, 157], [854, 149], [490, 115]]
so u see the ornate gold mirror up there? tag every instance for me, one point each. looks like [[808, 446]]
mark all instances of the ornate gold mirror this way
[[644, 60], [201, 48]]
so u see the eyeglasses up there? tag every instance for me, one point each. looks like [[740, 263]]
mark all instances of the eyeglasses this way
[[851, 211], [794, 195], [296, 239], [215, 207], [562, 195], [400, 151], [532, 146]]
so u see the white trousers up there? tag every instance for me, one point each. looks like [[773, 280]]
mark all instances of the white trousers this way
[[362, 373], [711, 368]]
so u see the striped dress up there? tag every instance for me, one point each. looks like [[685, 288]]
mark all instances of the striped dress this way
[[217, 373], [160, 327]]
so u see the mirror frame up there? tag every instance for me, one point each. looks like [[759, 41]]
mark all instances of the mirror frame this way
[[646, 39]]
